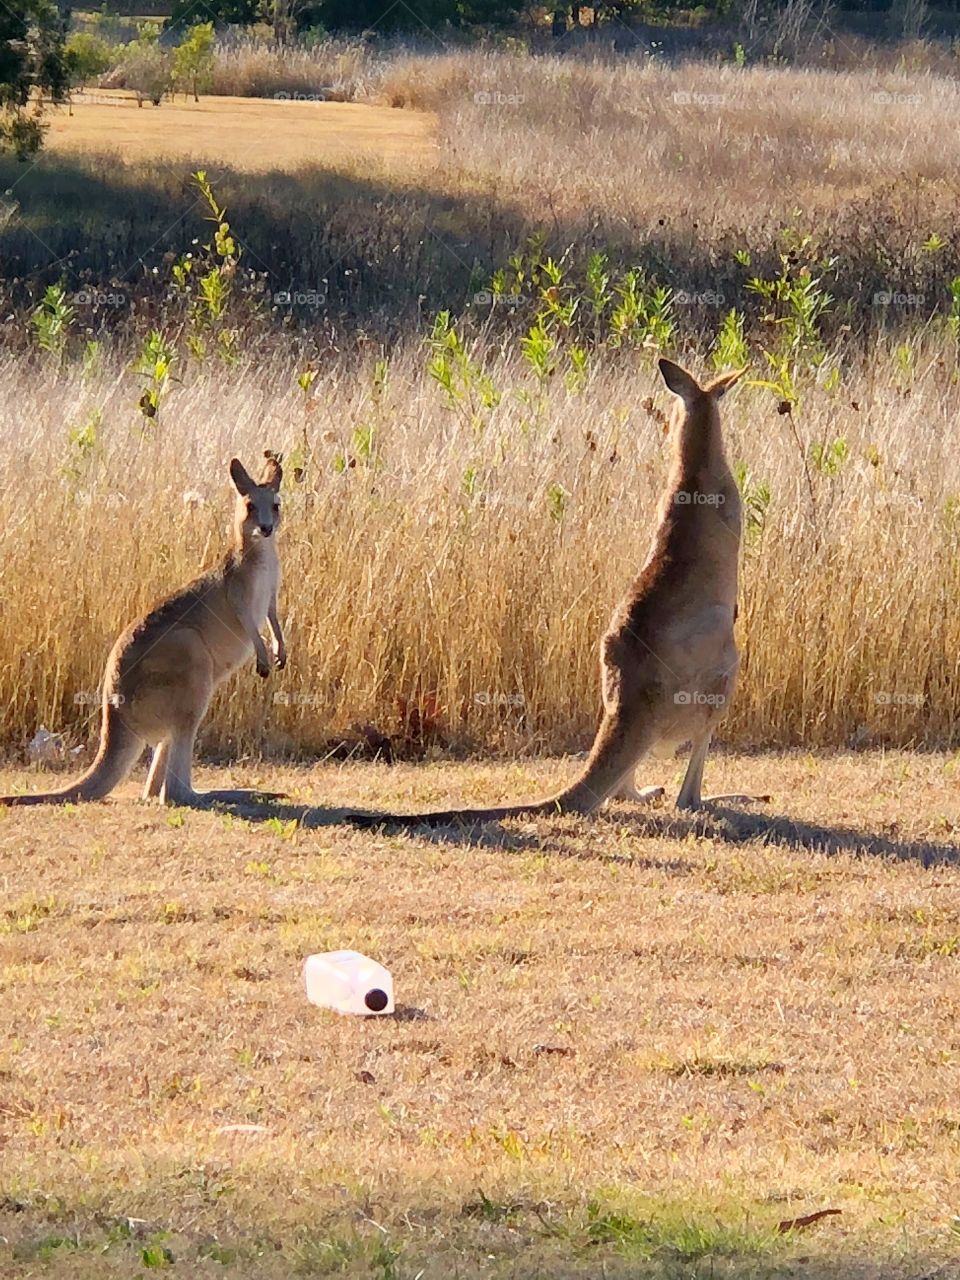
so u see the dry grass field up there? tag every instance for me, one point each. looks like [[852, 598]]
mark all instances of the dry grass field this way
[[624, 1047], [251, 134]]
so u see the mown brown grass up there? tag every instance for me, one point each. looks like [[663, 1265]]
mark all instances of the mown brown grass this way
[[628, 1047], [248, 134]]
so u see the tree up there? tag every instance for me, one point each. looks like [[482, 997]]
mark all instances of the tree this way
[[32, 67], [239, 13], [87, 57], [146, 67], [414, 15], [193, 60]]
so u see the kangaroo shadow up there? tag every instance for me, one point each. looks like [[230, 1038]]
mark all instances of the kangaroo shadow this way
[[267, 807], [717, 822], [487, 835], [739, 826]]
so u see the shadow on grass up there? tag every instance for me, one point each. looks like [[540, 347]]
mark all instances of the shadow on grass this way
[[379, 252], [719, 823], [479, 835], [737, 826]]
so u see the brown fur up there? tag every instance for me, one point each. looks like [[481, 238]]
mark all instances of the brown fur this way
[[668, 661], [163, 669]]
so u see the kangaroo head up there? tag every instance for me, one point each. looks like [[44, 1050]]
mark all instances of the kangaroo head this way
[[258, 504], [693, 396], [695, 424]]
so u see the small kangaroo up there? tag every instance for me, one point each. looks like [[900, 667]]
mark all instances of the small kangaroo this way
[[163, 670], [668, 663]]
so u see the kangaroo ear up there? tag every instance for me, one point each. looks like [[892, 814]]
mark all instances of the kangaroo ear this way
[[241, 481], [680, 382], [721, 385], [272, 470]]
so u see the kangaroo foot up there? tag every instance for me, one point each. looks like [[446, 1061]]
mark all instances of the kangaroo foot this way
[[642, 795], [253, 800]]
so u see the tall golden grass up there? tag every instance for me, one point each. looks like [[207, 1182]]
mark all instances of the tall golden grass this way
[[450, 581], [400, 69], [468, 573]]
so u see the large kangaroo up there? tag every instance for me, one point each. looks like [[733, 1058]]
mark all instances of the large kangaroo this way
[[668, 663], [163, 670]]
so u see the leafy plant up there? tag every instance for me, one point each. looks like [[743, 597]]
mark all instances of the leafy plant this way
[[467, 389], [641, 316], [755, 497], [557, 502], [829, 458], [154, 364], [953, 318], [213, 286], [797, 302], [730, 349], [51, 320], [539, 350]]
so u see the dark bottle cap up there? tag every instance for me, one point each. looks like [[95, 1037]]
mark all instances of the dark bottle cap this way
[[376, 1000]]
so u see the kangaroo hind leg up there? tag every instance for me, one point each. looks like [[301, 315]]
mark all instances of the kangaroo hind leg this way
[[690, 797], [153, 787]]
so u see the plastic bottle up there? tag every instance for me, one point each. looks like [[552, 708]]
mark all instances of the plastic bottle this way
[[348, 982]]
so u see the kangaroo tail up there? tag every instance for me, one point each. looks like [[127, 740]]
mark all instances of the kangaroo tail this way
[[615, 752], [117, 754]]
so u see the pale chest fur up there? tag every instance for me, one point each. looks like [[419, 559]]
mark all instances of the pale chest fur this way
[[258, 587]]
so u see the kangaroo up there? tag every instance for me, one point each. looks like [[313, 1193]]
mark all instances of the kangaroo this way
[[668, 662], [163, 670]]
